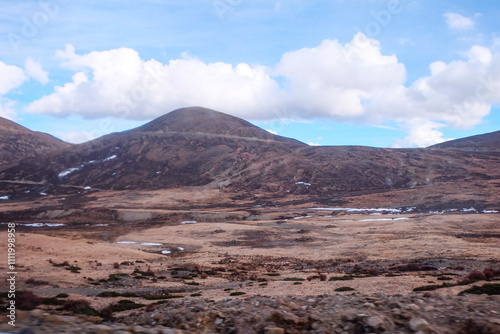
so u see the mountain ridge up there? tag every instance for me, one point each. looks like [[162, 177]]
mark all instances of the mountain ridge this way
[[18, 142], [183, 149]]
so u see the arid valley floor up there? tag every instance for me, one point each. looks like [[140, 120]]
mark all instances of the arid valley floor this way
[[259, 265]]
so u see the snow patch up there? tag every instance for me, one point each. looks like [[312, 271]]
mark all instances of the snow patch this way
[[189, 222], [43, 194], [490, 211], [359, 210], [4, 197], [150, 244], [126, 242], [110, 158], [303, 183], [181, 248], [68, 171], [165, 252], [43, 224], [469, 210], [87, 188]]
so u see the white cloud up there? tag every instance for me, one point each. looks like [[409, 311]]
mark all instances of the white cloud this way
[[34, 70], [458, 22], [11, 77], [119, 83], [333, 80], [352, 82], [422, 133], [313, 144], [75, 137], [271, 131]]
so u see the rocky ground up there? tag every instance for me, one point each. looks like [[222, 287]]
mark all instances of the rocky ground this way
[[174, 262], [338, 313]]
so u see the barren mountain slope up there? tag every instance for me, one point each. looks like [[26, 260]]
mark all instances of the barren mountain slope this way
[[489, 142], [197, 146], [18, 142]]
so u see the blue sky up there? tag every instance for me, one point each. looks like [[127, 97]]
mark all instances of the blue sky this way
[[387, 73]]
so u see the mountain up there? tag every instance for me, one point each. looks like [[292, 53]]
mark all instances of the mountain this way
[[197, 120], [18, 142], [202, 147], [489, 142]]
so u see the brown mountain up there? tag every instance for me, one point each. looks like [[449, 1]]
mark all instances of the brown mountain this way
[[489, 142], [197, 146], [18, 142]]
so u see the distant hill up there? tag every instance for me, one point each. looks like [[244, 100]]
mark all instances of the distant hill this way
[[18, 142], [202, 147], [489, 142]]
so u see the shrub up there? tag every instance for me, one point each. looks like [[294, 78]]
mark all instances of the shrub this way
[[489, 273], [125, 305], [204, 276], [148, 272], [108, 294], [322, 277], [341, 278], [33, 281], [107, 312], [62, 295], [52, 301], [293, 279], [237, 293], [80, 306], [372, 272], [116, 265], [27, 300], [344, 288], [310, 278], [477, 275], [195, 295], [489, 289]]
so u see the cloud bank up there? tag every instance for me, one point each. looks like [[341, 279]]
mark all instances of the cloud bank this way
[[12, 77], [353, 82]]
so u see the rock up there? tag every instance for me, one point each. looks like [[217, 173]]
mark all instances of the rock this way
[[102, 329], [36, 313], [375, 322], [218, 321], [412, 307], [275, 330], [429, 308], [419, 324]]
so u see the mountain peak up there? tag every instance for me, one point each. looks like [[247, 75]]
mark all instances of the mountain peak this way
[[204, 121]]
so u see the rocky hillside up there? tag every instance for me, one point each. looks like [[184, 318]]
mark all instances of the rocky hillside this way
[[18, 142], [197, 146], [489, 142]]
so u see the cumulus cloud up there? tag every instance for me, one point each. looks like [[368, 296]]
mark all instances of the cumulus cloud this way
[[76, 137], [119, 83], [353, 82], [458, 22], [333, 80], [10, 77], [34, 70], [421, 133]]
